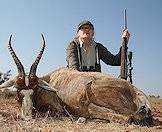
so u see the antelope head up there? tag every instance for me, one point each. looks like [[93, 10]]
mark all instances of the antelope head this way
[[25, 81], [26, 85]]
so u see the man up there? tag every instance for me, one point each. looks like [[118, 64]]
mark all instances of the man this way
[[84, 54]]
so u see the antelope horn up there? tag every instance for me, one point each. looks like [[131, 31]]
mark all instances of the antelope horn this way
[[16, 59], [35, 64]]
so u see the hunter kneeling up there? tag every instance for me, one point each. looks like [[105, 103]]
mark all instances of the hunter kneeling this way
[[84, 54]]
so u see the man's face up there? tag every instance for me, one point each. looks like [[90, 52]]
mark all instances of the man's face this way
[[86, 32]]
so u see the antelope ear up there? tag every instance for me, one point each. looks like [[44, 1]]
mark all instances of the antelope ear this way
[[7, 84], [10, 90], [46, 86]]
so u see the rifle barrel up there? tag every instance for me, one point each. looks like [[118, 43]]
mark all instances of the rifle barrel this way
[[125, 19]]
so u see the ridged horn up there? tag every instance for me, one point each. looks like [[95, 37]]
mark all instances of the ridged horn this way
[[16, 59], [35, 64]]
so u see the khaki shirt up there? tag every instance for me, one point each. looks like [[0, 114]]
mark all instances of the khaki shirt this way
[[74, 59], [88, 54]]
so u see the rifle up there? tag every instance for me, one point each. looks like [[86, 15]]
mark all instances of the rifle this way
[[124, 64], [130, 66]]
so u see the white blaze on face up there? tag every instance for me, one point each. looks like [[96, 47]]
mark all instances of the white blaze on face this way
[[26, 81], [27, 104]]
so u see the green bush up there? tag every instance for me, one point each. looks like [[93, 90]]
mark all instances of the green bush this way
[[5, 76]]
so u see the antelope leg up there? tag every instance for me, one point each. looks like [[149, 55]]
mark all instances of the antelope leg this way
[[105, 113]]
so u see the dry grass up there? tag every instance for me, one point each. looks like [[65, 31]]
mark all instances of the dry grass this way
[[10, 121]]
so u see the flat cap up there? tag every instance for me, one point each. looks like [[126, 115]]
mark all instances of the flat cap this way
[[85, 22]]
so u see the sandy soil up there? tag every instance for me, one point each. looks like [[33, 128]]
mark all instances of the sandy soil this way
[[10, 121]]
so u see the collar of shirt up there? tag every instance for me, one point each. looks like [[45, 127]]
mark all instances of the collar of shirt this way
[[81, 43]]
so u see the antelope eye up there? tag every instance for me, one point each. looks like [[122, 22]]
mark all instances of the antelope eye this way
[[33, 79], [21, 78]]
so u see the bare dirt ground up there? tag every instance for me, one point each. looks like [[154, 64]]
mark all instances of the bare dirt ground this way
[[10, 121]]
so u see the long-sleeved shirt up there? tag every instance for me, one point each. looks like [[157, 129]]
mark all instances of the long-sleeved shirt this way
[[74, 57]]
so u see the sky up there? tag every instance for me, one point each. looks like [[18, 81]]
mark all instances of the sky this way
[[58, 20]]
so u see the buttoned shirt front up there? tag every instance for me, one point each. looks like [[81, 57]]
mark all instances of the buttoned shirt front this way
[[88, 54]]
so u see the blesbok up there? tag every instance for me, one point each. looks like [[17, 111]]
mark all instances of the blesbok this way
[[31, 91], [98, 95], [85, 94]]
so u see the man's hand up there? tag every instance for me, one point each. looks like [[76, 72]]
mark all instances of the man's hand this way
[[126, 34]]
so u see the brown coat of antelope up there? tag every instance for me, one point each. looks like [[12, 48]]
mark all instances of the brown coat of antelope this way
[[85, 94], [101, 96]]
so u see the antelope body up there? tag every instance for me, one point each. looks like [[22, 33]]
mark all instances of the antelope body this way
[[86, 94], [98, 95]]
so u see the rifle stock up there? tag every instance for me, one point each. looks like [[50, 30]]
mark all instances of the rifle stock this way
[[130, 66], [124, 69]]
